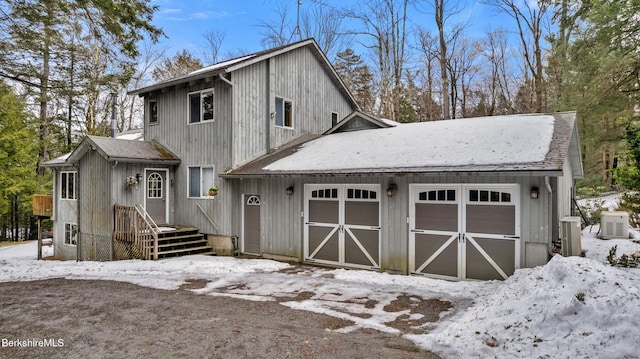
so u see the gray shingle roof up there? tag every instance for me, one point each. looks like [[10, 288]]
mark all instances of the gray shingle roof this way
[[128, 151]]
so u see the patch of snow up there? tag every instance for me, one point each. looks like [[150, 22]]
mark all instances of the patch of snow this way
[[497, 140], [569, 308]]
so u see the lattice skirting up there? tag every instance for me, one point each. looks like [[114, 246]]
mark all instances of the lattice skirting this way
[[95, 248], [123, 250]]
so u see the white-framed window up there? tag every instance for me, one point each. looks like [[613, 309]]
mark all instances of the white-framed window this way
[[491, 196], [201, 106], [68, 184], [200, 179], [284, 112], [70, 234], [155, 186], [153, 111]]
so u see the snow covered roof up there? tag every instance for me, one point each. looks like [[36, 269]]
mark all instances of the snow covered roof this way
[[534, 142]]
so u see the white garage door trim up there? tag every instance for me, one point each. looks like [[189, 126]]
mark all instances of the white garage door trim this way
[[343, 235], [452, 244]]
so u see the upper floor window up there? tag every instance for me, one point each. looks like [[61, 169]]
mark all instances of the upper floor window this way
[[68, 183], [200, 179], [284, 112], [201, 106], [153, 111]]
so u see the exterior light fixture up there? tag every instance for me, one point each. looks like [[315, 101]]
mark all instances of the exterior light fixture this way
[[534, 193], [392, 190], [289, 190]]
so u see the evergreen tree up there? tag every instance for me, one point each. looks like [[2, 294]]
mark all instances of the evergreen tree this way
[[358, 78], [180, 64], [18, 159]]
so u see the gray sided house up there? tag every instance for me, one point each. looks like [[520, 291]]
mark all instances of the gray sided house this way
[[303, 175]]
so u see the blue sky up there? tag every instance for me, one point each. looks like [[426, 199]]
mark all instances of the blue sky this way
[[185, 21]]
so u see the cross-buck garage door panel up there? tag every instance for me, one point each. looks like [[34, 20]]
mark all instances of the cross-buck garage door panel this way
[[323, 243], [445, 262], [499, 251], [355, 241], [342, 224], [460, 231]]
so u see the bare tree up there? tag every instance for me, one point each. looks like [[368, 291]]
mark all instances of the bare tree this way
[[131, 106], [530, 20], [325, 25], [278, 33], [429, 49], [214, 39], [498, 81], [384, 22]]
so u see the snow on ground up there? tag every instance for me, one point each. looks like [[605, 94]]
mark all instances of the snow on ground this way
[[571, 307]]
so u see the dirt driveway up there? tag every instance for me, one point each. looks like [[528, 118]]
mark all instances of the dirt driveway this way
[[104, 319]]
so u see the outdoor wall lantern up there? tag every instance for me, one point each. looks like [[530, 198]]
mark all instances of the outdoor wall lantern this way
[[534, 193], [289, 190], [138, 176], [392, 190]]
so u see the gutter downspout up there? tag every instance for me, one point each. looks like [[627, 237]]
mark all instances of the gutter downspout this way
[[548, 184]]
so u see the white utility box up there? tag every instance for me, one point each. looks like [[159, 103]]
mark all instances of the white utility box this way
[[571, 233], [614, 225]]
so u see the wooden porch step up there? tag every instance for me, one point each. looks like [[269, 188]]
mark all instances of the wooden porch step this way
[[184, 243], [179, 239], [206, 250]]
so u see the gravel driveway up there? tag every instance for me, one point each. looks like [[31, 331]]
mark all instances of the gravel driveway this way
[[105, 319]]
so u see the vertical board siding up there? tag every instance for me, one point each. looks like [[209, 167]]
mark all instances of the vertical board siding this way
[[242, 130], [202, 144], [65, 211], [95, 209], [282, 228]]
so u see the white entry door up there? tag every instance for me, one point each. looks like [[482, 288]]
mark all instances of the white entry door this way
[[464, 231], [342, 225]]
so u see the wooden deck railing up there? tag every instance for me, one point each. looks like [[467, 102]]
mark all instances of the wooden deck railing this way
[[135, 226]]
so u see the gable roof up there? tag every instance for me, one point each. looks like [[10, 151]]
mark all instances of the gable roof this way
[[358, 120], [228, 66], [127, 151], [514, 143]]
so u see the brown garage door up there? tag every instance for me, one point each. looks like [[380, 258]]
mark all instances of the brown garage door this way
[[464, 231], [342, 225]]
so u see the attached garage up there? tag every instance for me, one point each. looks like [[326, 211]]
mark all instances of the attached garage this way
[[467, 199], [464, 231]]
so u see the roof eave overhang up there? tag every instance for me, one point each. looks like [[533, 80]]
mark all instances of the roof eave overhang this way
[[176, 82], [143, 160], [394, 173]]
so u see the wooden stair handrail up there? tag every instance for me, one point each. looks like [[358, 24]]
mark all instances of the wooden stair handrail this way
[[134, 225]]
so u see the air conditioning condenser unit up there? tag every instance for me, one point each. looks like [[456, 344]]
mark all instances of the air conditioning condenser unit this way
[[571, 232], [614, 225]]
